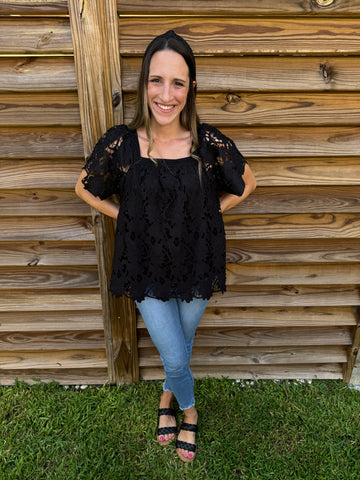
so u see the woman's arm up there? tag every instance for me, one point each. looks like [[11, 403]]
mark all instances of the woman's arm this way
[[228, 200], [107, 206]]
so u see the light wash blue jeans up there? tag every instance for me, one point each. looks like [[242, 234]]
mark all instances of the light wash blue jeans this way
[[172, 325]]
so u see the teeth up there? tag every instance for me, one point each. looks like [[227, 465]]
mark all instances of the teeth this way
[[165, 107]]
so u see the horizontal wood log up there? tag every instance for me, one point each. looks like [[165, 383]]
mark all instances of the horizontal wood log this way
[[235, 356], [224, 35], [76, 376], [24, 229], [47, 253], [44, 142], [293, 250], [40, 277], [302, 199], [46, 301], [331, 371], [317, 225], [306, 171], [248, 74], [285, 274], [53, 359], [264, 200], [202, 7], [50, 321], [29, 341], [273, 317], [238, 7], [40, 174], [42, 202], [258, 142], [49, 109], [24, 7], [271, 109], [263, 337], [35, 35], [38, 74], [290, 295]]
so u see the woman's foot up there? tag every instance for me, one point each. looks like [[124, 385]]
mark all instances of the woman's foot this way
[[167, 422], [185, 445]]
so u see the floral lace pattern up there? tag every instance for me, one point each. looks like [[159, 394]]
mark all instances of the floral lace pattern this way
[[170, 239]]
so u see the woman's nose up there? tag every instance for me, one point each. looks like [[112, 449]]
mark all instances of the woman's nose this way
[[166, 93]]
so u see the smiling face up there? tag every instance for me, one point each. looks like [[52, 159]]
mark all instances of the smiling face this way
[[168, 86]]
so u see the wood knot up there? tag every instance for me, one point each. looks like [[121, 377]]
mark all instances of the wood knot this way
[[34, 262], [233, 99], [116, 99], [326, 72]]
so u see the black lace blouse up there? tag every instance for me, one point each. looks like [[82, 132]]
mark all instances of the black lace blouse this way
[[170, 239]]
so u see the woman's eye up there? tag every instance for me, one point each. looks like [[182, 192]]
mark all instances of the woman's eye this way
[[179, 84], [154, 80]]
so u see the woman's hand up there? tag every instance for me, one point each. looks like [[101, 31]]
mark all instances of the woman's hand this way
[[107, 207], [228, 201]]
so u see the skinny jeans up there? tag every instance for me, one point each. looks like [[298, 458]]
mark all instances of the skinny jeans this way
[[172, 325]]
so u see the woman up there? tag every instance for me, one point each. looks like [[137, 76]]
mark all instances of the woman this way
[[168, 170]]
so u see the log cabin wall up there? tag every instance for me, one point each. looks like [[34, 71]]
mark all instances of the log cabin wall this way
[[281, 80]]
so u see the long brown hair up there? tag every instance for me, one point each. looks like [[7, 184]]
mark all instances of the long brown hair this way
[[188, 117]]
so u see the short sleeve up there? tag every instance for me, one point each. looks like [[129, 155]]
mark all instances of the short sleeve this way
[[102, 166], [227, 162]]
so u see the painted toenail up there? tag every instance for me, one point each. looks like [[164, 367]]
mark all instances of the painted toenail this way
[[190, 455], [161, 439]]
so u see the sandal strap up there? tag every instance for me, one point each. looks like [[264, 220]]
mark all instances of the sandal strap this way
[[166, 430], [190, 447], [189, 427], [167, 411]]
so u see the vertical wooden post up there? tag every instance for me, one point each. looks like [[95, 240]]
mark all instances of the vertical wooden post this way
[[94, 28], [352, 370]]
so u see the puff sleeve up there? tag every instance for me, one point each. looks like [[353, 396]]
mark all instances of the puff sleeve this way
[[103, 166], [225, 161]]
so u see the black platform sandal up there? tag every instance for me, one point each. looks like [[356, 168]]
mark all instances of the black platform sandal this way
[[190, 447], [166, 430]]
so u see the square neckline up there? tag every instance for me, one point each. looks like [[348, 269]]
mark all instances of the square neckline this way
[[158, 159]]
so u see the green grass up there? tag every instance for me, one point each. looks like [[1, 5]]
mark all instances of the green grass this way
[[248, 430]]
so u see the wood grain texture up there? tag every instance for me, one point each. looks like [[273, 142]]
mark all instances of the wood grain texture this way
[[41, 142], [40, 341], [272, 226], [307, 171], [21, 7], [37, 74], [34, 109], [293, 250], [238, 7], [246, 36], [41, 202], [35, 35], [202, 7], [288, 296], [271, 109], [24, 229], [72, 376], [46, 301], [235, 356], [40, 277], [42, 253], [40, 175], [248, 74], [252, 372], [287, 142], [262, 337], [52, 359], [262, 316], [290, 274], [304, 199], [12, 322]]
